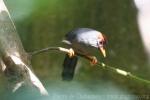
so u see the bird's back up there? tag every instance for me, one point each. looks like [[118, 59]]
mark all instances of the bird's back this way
[[74, 34], [83, 36]]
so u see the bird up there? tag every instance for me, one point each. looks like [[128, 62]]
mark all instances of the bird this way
[[82, 42]]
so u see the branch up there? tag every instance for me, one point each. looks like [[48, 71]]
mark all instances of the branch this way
[[122, 72], [118, 71], [99, 64], [61, 49]]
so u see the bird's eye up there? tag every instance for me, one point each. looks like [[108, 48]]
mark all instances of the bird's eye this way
[[101, 42]]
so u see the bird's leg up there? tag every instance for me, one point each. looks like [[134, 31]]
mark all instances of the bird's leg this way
[[93, 59], [71, 53]]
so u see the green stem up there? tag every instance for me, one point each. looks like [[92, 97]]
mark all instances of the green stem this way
[[123, 73]]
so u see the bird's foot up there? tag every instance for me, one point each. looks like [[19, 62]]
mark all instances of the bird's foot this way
[[93, 60], [71, 53]]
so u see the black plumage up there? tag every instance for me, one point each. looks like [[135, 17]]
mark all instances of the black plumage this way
[[69, 67]]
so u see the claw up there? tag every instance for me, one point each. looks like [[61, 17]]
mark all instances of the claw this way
[[71, 53], [93, 61]]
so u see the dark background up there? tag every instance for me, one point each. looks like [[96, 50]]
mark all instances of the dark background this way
[[43, 23]]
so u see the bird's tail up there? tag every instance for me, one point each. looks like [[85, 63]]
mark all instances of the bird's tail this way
[[69, 68]]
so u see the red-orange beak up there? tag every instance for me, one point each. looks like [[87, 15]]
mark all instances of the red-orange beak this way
[[102, 51]]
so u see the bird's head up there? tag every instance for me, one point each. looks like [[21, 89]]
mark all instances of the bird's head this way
[[101, 43]]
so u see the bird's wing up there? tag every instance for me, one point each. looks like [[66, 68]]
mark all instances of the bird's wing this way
[[69, 67]]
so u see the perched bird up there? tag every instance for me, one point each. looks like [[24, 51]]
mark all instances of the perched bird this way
[[82, 41]]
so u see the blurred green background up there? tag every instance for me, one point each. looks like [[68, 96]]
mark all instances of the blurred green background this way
[[43, 23]]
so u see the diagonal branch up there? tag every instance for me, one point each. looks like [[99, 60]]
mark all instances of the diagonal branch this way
[[99, 64], [122, 72]]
